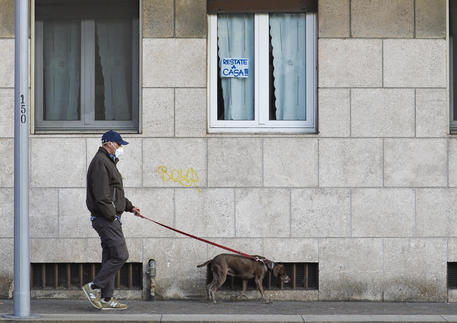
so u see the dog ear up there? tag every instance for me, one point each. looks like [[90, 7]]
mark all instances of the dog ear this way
[[269, 264], [276, 269]]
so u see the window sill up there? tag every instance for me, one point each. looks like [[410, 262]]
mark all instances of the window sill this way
[[263, 131]]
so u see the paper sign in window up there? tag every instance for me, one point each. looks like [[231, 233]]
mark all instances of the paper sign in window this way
[[235, 67]]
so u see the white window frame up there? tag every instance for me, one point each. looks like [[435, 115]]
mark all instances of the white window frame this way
[[453, 123], [261, 122], [87, 87]]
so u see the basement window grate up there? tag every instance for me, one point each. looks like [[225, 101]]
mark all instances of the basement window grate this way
[[304, 276], [74, 275], [452, 275]]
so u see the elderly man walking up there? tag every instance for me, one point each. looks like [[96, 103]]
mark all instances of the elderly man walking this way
[[106, 202]]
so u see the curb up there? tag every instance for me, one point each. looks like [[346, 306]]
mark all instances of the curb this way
[[229, 318]]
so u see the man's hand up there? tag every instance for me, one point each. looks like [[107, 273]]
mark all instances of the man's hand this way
[[136, 211]]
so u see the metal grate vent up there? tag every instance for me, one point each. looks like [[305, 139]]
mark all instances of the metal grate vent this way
[[75, 275], [302, 275], [452, 275]]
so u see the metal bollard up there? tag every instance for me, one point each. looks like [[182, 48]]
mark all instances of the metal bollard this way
[[151, 271]]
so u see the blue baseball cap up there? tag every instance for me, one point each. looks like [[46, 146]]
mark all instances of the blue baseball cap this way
[[113, 136]]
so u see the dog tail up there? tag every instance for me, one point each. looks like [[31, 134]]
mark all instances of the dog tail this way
[[205, 263]]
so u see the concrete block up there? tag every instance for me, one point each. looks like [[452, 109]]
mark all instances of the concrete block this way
[[7, 163], [452, 142], [190, 109], [432, 115], [415, 162], [234, 162], [436, 210], [452, 249], [65, 250], [76, 250], [179, 156], [290, 162], [382, 18], [321, 213], [66, 168], [333, 18], [43, 213], [350, 63], [129, 165], [350, 162], [262, 212], [74, 217], [334, 113], [158, 112], [176, 261], [7, 115], [6, 267], [7, 18], [7, 65], [415, 63], [427, 282], [157, 204], [383, 212], [382, 113], [191, 18], [350, 269], [209, 213], [165, 65], [250, 246], [158, 18], [430, 18], [298, 249], [7, 212]]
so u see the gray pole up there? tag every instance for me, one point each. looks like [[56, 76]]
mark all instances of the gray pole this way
[[21, 164]]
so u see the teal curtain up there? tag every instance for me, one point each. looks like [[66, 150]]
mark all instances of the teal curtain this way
[[288, 41], [61, 70]]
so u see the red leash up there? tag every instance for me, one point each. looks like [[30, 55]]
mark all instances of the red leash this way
[[201, 239]]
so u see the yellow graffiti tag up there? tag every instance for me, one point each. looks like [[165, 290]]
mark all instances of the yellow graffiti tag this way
[[176, 175]]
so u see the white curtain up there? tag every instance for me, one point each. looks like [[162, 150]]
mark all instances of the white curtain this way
[[236, 40], [114, 44], [61, 68], [288, 39]]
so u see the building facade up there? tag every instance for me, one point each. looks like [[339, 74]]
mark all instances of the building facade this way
[[368, 191]]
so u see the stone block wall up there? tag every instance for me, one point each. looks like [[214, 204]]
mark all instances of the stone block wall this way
[[371, 197], [384, 137]]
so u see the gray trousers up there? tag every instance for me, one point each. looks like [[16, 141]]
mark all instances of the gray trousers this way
[[114, 254]]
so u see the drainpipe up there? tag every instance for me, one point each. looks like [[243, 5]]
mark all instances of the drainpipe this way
[[21, 164], [151, 271]]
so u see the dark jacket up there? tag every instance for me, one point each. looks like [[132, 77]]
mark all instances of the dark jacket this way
[[105, 190]]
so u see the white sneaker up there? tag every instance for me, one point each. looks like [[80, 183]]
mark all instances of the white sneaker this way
[[113, 304]]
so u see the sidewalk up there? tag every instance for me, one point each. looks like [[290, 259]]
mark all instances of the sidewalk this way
[[50, 310]]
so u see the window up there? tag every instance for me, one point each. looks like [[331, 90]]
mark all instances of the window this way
[[453, 64], [86, 65], [262, 69], [304, 276], [70, 276], [452, 275]]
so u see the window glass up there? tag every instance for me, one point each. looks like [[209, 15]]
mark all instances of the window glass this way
[[86, 65], [113, 69], [453, 57], [235, 34], [288, 66], [61, 70]]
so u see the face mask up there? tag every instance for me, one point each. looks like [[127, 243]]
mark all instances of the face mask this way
[[119, 151]]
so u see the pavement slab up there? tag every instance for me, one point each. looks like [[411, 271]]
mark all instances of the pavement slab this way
[[167, 311]]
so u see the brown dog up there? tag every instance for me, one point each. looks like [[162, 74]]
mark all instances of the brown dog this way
[[243, 267]]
